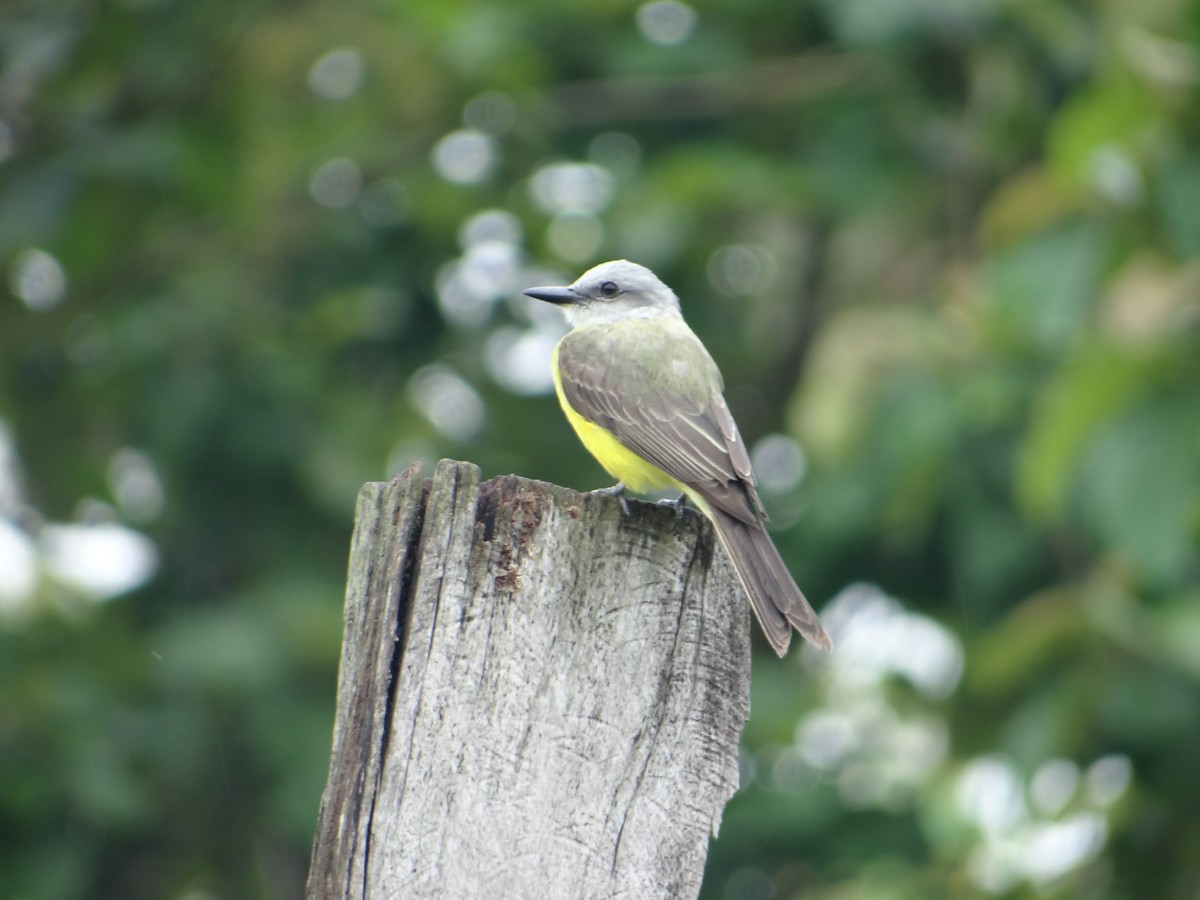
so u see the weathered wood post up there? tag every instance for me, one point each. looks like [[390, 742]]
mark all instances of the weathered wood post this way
[[539, 697]]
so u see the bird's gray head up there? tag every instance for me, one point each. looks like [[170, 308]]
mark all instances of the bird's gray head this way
[[613, 290]]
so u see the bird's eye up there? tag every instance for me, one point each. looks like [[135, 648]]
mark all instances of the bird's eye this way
[[609, 289]]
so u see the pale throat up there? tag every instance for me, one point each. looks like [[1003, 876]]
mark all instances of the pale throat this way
[[603, 313]]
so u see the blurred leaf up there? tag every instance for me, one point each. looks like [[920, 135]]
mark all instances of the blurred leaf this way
[[1029, 202], [1140, 487], [1039, 293], [1111, 112], [1178, 630], [1027, 642], [1178, 194], [1091, 388]]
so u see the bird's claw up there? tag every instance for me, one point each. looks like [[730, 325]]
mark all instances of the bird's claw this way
[[618, 491], [679, 504]]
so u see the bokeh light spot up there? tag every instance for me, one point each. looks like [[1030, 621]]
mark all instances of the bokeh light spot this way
[[467, 156], [86, 340], [492, 112], [1108, 778], [778, 462], [1115, 176], [135, 484], [519, 360], [1053, 785], [406, 452], [1051, 849], [618, 152], [101, 560], [336, 184], [876, 636], [383, 203], [571, 188], [741, 270], [826, 737], [989, 795], [666, 22], [496, 225], [338, 74], [450, 404], [38, 279], [575, 237], [468, 288]]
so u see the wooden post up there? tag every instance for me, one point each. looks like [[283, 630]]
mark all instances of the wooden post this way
[[539, 697]]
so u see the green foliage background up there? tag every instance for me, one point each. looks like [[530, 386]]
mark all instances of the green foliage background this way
[[971, 232]]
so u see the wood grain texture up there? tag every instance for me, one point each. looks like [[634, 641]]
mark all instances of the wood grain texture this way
[[538, 696]]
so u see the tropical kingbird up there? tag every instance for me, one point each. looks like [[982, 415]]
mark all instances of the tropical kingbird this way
[[645, 398]]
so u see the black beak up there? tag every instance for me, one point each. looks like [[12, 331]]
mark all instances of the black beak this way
[[558, 295]]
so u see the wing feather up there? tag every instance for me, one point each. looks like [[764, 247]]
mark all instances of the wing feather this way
[[660, 409]]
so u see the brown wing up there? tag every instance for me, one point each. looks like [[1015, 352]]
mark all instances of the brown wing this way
[[666, 406]]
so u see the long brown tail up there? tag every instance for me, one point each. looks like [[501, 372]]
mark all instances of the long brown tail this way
[[777, 601]]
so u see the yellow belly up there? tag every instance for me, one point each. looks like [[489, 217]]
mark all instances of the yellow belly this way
[[618, 460]]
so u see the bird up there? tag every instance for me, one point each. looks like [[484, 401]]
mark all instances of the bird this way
[[647, 400]]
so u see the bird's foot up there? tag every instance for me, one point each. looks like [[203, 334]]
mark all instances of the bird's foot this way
[[679, 504], [618, 491]]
